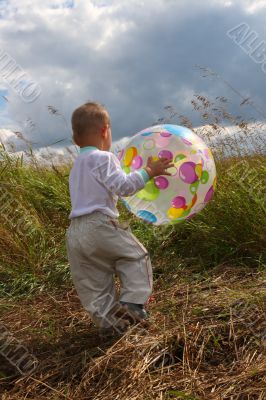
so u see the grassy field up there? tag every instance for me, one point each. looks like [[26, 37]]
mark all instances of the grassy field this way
[[207, 339]]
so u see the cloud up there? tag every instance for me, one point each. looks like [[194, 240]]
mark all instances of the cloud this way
[[227, 141], [135, 57]]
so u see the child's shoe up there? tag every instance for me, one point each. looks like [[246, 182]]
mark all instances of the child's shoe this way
[[114, 331], [135, 312]]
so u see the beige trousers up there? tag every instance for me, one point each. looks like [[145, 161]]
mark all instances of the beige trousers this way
[[98, 248]]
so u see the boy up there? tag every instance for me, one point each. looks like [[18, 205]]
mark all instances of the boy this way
[[98, 246]]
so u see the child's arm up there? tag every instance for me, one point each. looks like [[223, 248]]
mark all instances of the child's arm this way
[[111, 175]]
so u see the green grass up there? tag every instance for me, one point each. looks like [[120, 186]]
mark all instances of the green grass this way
[[208, 304], [34, 216], [208, 295], [231, 229]]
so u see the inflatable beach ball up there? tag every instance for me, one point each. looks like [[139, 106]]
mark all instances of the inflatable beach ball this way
[[170, 199]]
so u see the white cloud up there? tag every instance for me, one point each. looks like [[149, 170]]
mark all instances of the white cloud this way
[[136, 57], [229, 141], [16, 145], [6, 135], [253, 7]]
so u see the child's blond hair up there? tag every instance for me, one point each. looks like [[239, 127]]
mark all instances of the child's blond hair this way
[[87, 119]]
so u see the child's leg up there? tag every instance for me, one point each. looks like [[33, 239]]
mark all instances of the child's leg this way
[[92, 273], [132, 262], [135, 271], [97, 248]]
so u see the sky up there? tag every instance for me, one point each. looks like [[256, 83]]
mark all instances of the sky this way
[[136, 57]]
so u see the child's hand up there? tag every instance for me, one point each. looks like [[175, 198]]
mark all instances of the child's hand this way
[[159, 167]]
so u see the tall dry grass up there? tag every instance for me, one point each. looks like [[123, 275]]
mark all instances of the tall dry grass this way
[[207, 334], [35, 206]]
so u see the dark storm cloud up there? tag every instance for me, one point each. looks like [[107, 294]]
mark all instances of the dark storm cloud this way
[[135, 57]]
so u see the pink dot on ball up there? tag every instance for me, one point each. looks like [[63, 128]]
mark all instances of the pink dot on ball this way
[[162, 142], [179, 202], [206, 153], [187, 172], [137, 162], [186, 141], [161, 182], [166, 134], [209, 195], [120, 154], [165, 154]]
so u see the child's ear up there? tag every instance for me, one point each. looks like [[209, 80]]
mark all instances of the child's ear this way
[[104, 131], [75, 140]]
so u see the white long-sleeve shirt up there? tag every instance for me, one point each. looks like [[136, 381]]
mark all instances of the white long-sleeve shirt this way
[[97, 180]]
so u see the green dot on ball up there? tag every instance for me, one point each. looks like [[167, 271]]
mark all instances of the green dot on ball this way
[[150, 192], [179, 157], [204, 177], [194, 187], [126, 170], [185, 213]]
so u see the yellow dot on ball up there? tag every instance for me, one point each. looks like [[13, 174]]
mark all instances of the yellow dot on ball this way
[[210, 153], [130, 154], [214, 183], [175, 212], [198, 170]]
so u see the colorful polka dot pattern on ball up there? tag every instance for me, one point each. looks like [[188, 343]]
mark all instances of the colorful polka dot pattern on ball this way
[[170, 199]]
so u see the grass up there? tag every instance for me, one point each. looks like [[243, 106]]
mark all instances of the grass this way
[[207, 340], [207, 337], [35, 216]]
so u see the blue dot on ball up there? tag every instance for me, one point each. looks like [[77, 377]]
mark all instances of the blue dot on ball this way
[[146, 133], [126, 204], [147, 216], [176, 129]]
